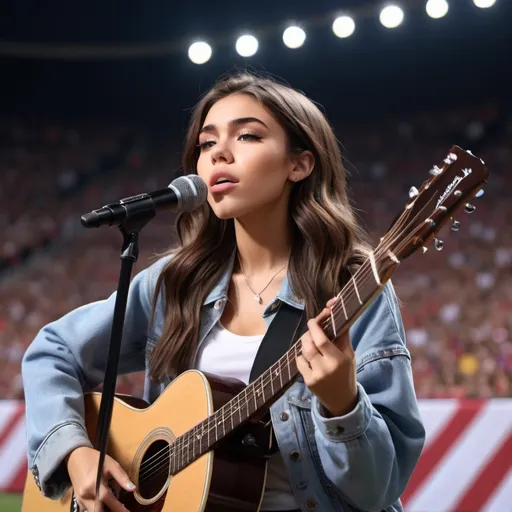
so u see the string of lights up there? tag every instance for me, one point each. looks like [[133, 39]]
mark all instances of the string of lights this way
[[201, 51]]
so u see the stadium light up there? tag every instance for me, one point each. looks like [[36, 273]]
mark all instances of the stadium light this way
[[484, 4], [199, 52], [437, 8], [391, 16], [246, 46], [294, 37], [343, 26]]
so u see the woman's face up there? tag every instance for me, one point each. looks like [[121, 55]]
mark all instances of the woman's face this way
[[241, 142]]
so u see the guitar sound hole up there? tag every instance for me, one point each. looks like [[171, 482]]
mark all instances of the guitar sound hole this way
[[154, 469]]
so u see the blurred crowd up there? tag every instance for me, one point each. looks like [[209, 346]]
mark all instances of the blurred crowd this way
[[455, 302]]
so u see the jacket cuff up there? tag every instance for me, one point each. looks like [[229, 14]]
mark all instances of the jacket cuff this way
[[50, 472], [347, 427]]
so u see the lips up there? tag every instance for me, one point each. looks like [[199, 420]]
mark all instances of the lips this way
[[222, 181], [223, 177]]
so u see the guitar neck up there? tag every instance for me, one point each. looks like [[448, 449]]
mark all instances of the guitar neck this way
[[259, 395]]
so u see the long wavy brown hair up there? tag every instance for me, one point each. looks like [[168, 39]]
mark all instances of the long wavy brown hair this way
[[328, 245]]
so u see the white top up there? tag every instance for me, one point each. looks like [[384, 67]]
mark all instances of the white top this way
[[231, 355]]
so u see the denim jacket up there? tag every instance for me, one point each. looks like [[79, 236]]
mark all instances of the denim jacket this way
[[360, 461]]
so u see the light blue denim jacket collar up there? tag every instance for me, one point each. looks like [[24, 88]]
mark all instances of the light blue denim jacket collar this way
[[220, 290]]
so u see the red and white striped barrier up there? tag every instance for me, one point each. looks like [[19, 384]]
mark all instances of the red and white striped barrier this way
[[466, 465]]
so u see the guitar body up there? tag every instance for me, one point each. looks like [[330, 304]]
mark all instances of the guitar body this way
[[229, 478]]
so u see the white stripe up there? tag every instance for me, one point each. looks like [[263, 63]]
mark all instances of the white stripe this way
[[435, 414], [374, 268], [502, 497], [449, 480], [13, 454], [8, 408]]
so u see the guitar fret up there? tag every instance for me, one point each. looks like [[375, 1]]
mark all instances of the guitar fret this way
[[374, 268], [356, 290], [340, 296], [192, 433], [208, 428]]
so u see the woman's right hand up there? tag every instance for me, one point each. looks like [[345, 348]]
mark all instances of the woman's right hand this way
[[82, 464]]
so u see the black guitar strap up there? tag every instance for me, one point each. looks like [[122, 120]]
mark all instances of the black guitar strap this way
[[285, 329]]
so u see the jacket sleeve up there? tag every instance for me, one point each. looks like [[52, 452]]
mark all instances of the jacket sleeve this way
[[370, 453], [68, 357]]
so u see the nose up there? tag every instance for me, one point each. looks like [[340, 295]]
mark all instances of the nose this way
[[221, 153]]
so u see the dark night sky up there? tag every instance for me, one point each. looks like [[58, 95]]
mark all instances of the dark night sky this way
[[463, 58]]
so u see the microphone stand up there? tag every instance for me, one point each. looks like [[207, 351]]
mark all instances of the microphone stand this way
[[137, 217]]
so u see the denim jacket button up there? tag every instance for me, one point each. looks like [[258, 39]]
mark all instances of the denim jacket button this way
[[283, 416], [295, 455], [218, 304], [275, 305], [311, 504]]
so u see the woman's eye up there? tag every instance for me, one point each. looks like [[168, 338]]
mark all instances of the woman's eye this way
[[249, 136], [205, 145]]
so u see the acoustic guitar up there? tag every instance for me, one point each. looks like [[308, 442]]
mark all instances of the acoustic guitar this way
[[203, 444]]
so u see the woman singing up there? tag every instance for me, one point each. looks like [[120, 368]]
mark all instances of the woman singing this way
[[278, 227]]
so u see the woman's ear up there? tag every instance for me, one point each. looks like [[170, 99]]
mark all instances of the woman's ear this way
[[304, 163]]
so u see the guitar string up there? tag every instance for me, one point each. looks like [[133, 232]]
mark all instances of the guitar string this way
[[182, 449]]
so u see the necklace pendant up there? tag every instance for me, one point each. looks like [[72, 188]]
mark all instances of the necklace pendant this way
[[258, 298]]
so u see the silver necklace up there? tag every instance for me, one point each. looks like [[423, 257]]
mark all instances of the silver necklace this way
[[257, 296]]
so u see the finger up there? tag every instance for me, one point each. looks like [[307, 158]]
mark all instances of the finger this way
[[303, 367], [309, 350], [93, 506], [81, 506], [331, 302], [113, 504], [116, 471], [319, 338]]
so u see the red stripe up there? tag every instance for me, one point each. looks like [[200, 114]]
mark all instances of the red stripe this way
[[435, 451], [488, 479], [17, 484], [12, 423]]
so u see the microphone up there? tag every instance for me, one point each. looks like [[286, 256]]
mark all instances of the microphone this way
[[183, 194]]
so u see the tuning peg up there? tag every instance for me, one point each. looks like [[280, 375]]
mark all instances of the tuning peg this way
[[438, 244], [469, 208], [455, 225], [435, 171], [425, 249], [413, 192], [480, 193]]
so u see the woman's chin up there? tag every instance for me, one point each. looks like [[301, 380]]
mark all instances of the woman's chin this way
[[226, 212]]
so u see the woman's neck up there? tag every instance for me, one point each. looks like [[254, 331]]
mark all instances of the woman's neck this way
[[264, 244]]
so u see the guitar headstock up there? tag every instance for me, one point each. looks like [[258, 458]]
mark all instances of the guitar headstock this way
[[450, 187]]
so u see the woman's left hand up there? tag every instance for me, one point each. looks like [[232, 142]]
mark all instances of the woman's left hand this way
[[329, 367]]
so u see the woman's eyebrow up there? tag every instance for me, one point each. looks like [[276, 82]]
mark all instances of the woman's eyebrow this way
[[234, 122]]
